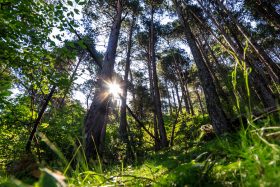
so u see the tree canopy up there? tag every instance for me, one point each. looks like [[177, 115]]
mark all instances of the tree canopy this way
[[139, 92]]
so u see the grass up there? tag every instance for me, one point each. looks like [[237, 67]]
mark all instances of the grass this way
[[249, 157], [245, 158]]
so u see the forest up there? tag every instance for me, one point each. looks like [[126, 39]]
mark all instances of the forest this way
[[139, 93]]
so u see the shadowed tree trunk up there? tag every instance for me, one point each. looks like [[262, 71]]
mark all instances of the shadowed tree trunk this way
[[174, 100], [200, 102], [266, 95], [217, 115], [185, 97], [219, 90], [168, 97], [178, 97], [96, 116], [182, 83], [160, 122], [265, 9], [38, 120], [123, 120], [123, 129], [273, 68], [150, 73], [189, 98]]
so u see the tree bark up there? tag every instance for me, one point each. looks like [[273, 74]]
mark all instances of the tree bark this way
[[160, 122], [189, 98], [178, 97], [96, 116], [123, 120], [123, 129], [267, 97], [217, 115], [174, 100], [168, 97], [219, 90], [200, 102], [273, 68], [150, 73]]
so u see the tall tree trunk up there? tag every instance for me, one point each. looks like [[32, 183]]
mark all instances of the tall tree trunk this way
[[179, 71], [162, 131], [133, 87], [273, 68], [217, 115], [168, 97], [184, 95], [200, 102], [178, 97], [220, 90], [265, 9], [253, 75], [174, 100], [189, 98], [123, 120], [123, 129], [96, 116], [223, 73], [150, 73]]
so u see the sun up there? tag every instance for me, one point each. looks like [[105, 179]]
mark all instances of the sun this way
[[114, 89]]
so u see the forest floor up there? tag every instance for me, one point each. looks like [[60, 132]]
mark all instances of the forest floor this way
[[246, 158]]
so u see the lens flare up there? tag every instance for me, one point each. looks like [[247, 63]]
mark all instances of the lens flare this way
[[114, 89]]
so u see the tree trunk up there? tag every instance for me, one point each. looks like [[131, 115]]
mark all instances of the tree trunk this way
[[123, 120], [174, 100], [220, 90], [96, 116], [178, 97], [179, 71], [266, 10], [123, 129], [38, 120], [273, 68], [189, 98], [184, 95], [228, 96], [217, 115], [168, 97], [200, 102], [160, 122], [150, 73], [256, 80]]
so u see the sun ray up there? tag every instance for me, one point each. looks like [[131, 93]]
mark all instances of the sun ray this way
[[114, 89]]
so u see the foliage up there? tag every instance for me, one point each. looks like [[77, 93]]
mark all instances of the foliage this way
[[47, 58]]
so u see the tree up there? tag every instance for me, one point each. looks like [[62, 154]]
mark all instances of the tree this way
[[123, 129], [95, 122], [215, 110]]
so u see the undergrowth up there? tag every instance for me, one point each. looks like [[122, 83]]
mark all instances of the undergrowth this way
[[249, 157]]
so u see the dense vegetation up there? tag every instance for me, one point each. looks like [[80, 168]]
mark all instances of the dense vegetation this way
[[139, 93]]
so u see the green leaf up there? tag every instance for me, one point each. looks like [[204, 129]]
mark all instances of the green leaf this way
[[44, 125], [70, 3], [76, 11]]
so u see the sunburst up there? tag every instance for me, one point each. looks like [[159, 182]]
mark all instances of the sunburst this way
[[114, 89]]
